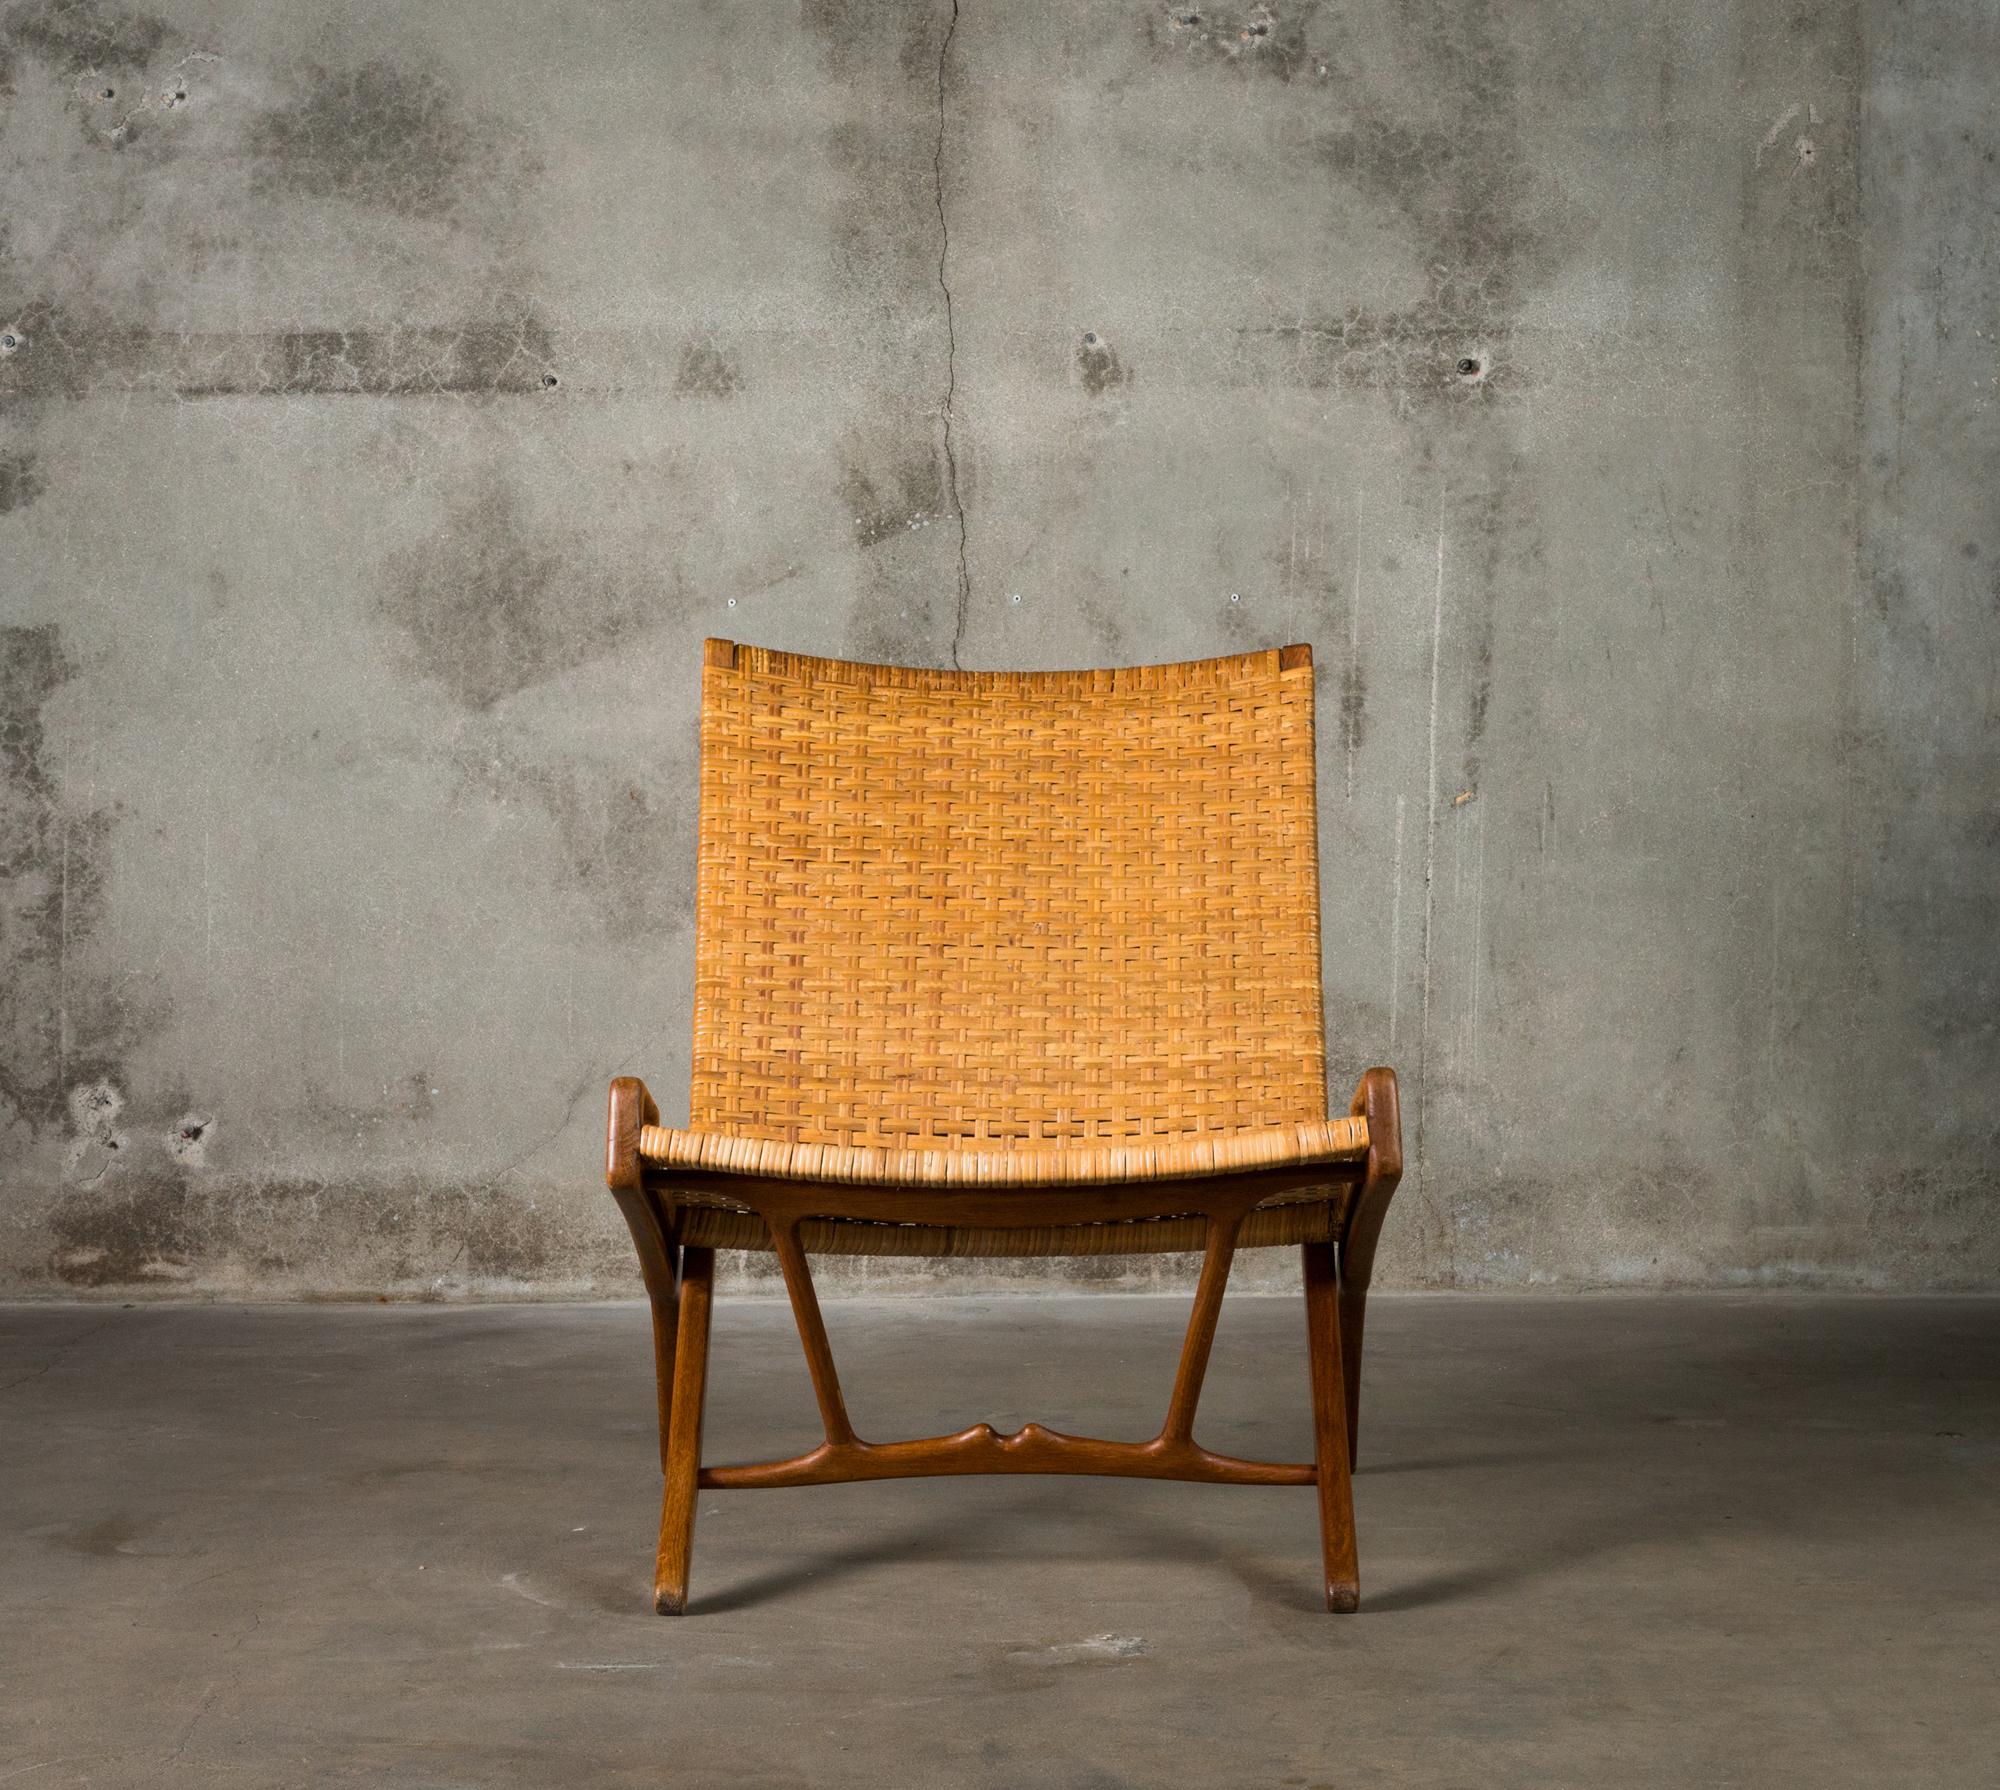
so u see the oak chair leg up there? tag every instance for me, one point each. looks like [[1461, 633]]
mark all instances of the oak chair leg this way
[[1353, 1314], [683, 1463], [1331, 1428], [1376, 1100]]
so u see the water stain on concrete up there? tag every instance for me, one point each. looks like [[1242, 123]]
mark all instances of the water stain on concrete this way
[[891, 150], [50, 350], [146, 1233], [706, 372], [107, 60], [407, 169], [159, 1227], [888, 57], [20, 482], [498, 600], [59, 1027], [1353, 706], [627, 847], [78, 38], [380, 135], [1480, 221], [1098, 365], [512, 349], [887, 500]]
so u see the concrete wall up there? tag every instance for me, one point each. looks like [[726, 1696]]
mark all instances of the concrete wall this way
[[391, 398]]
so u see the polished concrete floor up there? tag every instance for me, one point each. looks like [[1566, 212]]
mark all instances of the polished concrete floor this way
[[1690, 1541]]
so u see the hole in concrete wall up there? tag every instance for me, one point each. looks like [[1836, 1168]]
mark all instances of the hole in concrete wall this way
[[1468, 368], [550, 382], [9, 341]]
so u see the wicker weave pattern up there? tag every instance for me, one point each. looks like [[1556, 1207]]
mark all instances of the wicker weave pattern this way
[[1209, 1153], [995, 911]]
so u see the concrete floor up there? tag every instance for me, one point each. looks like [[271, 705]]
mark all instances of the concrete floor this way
[[1603, 1541]]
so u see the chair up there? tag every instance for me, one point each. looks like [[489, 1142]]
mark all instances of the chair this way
[[1007, 964]]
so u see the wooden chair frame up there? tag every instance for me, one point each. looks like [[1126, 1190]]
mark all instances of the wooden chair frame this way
[[680, 1283]]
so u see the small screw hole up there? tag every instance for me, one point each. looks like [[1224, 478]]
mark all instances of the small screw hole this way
[[107, 93], [550, 382], [1468, 368]]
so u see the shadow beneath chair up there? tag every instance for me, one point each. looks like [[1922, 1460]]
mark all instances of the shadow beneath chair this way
[[1458, 1463], [1011, 1530], [1445, 1588], [939, 1540]]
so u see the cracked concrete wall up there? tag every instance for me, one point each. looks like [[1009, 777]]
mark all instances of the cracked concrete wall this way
[[391, 399]]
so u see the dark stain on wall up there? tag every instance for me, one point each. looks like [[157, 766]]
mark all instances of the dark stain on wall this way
[[77, 38], [706, 372], [886, 501], [629, 850], [107, 59], [58, 1026], [633, 852], [61, 355], [885, 57], [393, 150], [1098, 365], [378, 135], [50, 351], [1479, 218], [158, 1226], [497, 601], [20, 483], [511, 351], [1500, 549], [101, 1239], [1353, 705], [891, 147]]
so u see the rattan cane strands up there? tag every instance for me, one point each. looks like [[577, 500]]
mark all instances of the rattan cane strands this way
[[1006, 912], [1213, 1153]]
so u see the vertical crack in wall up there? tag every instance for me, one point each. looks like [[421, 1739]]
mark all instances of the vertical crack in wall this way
[[951, 345], [1430, 872]]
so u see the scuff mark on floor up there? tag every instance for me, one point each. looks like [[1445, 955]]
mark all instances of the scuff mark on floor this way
[[1094, 1650]]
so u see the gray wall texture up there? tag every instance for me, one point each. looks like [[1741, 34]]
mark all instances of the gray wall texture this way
[[391, 398]]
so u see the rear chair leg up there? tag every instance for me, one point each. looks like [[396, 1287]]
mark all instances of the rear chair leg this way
[[1331, 1429], [683, 1464]]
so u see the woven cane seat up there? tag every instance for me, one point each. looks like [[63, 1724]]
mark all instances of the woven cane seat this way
[[1006, 930]]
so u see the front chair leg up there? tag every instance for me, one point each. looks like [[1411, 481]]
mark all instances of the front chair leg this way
[[683, 1465], [1330, 1429], [1353, 1315]]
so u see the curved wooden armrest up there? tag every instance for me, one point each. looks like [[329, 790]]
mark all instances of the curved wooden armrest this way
[[632, 1109], [1309, 1142], [1377, 1103]]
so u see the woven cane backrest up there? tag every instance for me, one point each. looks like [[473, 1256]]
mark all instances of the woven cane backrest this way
[[966, 910]]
